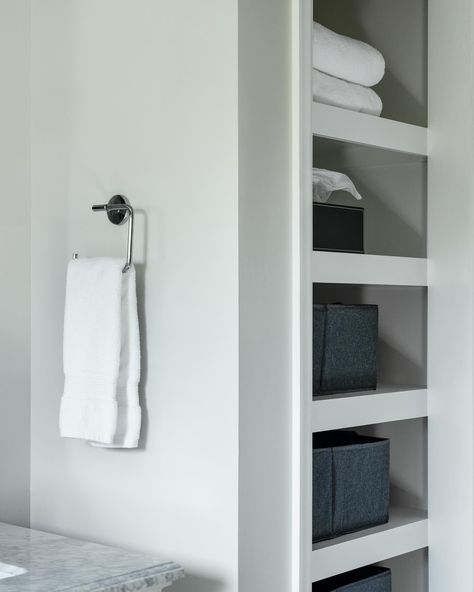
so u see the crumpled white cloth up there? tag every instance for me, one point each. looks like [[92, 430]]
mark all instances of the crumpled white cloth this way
[[325, 182]]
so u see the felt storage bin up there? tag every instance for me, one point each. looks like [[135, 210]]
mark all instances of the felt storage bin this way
[[365, 579], [351, 483], [344, 347], [338, 228]]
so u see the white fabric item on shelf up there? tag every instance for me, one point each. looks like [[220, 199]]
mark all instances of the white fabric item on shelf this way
[[325, 182], [347, 95], [101, 354], [346, 58]]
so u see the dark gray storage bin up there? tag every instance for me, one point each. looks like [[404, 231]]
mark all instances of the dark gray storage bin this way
[[344, 347], [338, 228], [351, 483], [366, 579]]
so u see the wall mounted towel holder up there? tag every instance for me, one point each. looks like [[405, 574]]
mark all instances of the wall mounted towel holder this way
[[119, 211]]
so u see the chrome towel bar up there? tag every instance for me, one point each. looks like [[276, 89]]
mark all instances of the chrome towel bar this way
[[119, 211]]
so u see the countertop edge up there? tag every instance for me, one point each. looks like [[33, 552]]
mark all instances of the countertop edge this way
[[143, 579]]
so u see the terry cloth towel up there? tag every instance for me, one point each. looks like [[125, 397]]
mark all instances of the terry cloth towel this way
[[333, 91], [346, 58], [325, 182], [101, 354]]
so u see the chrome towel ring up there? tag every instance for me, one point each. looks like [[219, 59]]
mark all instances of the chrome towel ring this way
[[119, 211]]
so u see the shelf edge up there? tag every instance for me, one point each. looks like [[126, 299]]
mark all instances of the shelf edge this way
[[350, 268], [364, 550], [368, 409], [358, 128]]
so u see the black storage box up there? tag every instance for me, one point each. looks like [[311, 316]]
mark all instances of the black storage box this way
[[365, 579], [338, 228], [351, 483], [344, 347]]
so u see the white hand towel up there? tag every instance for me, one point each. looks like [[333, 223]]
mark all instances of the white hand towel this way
[[333, 91], [325, 182], [101, 354], [346, 58]]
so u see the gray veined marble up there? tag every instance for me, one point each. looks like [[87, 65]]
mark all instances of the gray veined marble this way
[[60, 564]]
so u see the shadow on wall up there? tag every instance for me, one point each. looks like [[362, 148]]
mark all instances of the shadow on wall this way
[[140, 270], [195, 583], [142, 218]]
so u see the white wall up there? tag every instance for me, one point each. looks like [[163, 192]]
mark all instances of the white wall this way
[[265, 295], [141, 98], [15, 250], [451, 294]]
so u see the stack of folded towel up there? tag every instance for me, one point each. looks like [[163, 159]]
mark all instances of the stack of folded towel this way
[[344, 69]]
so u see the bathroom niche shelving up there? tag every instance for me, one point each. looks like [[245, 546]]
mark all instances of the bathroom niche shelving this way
[[388, 159]]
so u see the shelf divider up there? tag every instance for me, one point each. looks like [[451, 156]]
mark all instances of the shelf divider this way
[[386, 403], [352, 268], [358, 128], [406, 531]]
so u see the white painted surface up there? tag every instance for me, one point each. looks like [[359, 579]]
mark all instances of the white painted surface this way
[[359, 128], [351, 268], [265, 296], [407, 530], [385, 404], [15, 249], [302, 237], [451, 292], [112, 85], [408, 460], [409, 571]]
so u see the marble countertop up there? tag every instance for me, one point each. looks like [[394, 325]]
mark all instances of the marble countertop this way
[[58, 564]]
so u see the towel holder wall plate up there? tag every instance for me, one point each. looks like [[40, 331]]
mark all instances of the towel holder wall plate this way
[[119, 211]]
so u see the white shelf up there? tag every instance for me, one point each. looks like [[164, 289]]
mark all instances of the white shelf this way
[[349, 268], [358, 128], [406, 531], [387, 403]]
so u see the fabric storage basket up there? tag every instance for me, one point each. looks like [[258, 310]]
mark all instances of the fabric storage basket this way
[[344, 347], [351, 483], [366, 579]]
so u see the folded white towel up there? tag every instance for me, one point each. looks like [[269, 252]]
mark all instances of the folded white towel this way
[[346, 58], [325, 182], [101, 354], [333, 91]]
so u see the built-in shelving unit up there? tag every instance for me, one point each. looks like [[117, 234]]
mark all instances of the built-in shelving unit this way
[[385, 404], [386, 157], [413, 167], [348, 126], [406, 531], [351, 268]]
